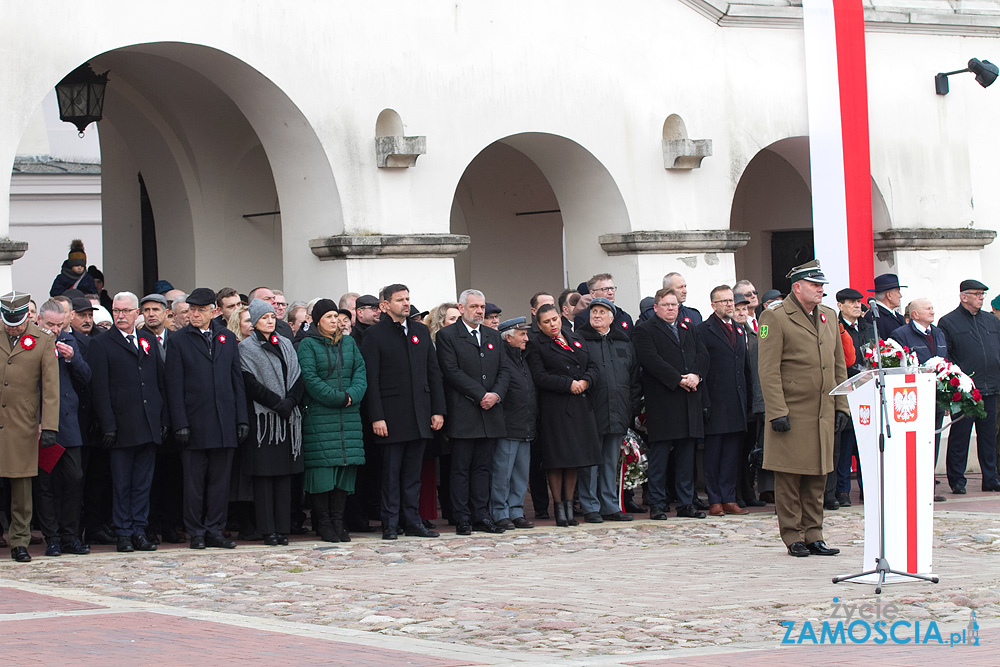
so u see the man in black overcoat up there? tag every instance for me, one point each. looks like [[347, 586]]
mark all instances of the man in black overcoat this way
[[127, 388], [405, 403], [476, 373], [674, 361], [725, 400], [208, 412]]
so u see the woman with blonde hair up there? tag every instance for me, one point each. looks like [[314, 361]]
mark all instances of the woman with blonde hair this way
[[438, 318], [239, 323]]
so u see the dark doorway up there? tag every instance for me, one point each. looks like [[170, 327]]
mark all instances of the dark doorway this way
[[150, 267], [788, 250]]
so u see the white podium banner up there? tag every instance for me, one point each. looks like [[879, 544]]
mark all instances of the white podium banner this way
[[909, 466]]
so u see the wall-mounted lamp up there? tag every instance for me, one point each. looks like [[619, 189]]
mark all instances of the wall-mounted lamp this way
[[81, 97], [985, 71]]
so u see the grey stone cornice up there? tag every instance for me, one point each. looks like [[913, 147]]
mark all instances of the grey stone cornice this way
[[674, 241], [10, 251], [934, 18], [933, 239], [363, 246]]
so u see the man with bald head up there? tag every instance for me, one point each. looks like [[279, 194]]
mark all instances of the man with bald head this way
[[676, 282]]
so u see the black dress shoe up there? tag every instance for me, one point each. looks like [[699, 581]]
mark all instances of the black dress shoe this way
[[421, 531], [659, 514], [173, 536], [464, 528], [125, 545], [521, 522], [831, 505], [20, 554], [753, 502], [700, 504], [958, 490], [991, 487], [52, 547], [197, 541], [143, 543], [506, 524], [428, 524], [271, 540], [100, 536], [618, 516], [487, 526], [75, 546], [844, 500], [593, 517], [152, 536], [283, 540], [939, 499], [542, 515], [798, 549], [689, 511], [218, 541], [633, 507], [819, 548], [389, 533], [299, 529]]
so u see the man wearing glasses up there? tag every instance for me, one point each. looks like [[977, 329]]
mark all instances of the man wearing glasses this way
[[603, 285], [746, 288], [974, 343]]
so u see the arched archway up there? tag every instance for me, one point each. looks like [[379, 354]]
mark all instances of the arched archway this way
[[773, 201], [534, 205], [217, 144]]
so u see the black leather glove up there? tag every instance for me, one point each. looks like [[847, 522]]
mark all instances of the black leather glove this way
[[284, 408], [242, 431], [48, 439], [109, 438], [756, 457], [182, 436], [781, 425], [706, 413], [164, 432], [841, 421]]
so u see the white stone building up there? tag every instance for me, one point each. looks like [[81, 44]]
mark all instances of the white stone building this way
[[511, 146]]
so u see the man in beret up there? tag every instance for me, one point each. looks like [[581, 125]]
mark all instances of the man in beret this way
[[887, 294], [492, 317], [801, 360], [974, 344], [208, 412], [512, 454], [617, 396], [29, 396]]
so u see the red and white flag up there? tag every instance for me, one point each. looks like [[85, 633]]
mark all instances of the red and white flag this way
[[839, 154]]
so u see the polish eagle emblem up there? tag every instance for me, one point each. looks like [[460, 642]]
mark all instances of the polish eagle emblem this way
[[904, 404]]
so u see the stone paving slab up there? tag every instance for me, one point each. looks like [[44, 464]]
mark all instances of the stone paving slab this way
[[14, 601], [156, 639]]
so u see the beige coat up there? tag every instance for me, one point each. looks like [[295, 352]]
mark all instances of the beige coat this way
[[798, 367], [29, 382]]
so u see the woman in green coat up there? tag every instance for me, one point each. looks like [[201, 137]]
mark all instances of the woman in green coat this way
[[332, 440]]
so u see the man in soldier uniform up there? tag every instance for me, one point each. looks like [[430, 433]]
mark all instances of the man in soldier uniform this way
[[29, 395], [801, 360]]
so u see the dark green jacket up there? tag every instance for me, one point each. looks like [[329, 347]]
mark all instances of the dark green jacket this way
[[331, 432]]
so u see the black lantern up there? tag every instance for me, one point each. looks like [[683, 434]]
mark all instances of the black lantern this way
[[81, 97], [985, 71]]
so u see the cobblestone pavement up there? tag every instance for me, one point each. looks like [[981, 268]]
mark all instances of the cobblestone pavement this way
[[597, 593]]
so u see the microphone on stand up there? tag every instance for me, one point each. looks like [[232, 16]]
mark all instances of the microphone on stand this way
[[873, 306]]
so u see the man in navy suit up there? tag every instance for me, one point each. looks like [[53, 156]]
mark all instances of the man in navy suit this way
[[476, 374], [208, 412], [405, 403], [725, 401], [128, 394], [60, 491]]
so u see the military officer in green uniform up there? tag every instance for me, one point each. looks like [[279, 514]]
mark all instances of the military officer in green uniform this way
[[801, 359], [29, 398]]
